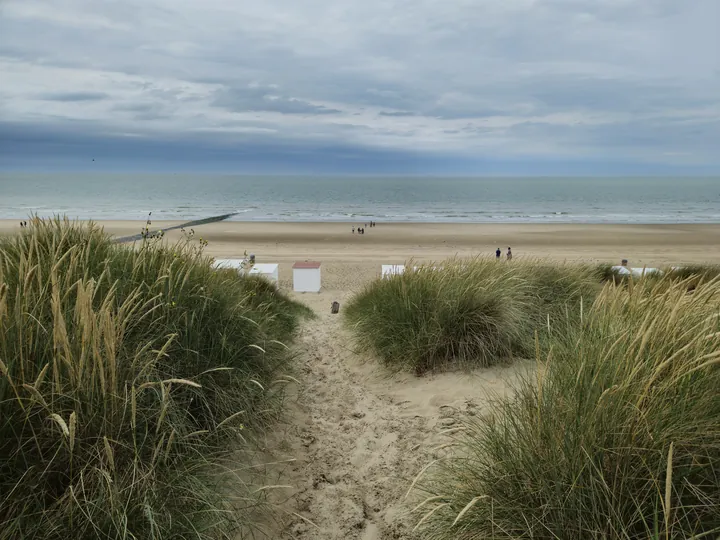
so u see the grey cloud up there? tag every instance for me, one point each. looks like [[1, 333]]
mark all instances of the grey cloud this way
[[135, 107], [564, 75], [397, 113], [74, 96], [266, 99], [617, 11]]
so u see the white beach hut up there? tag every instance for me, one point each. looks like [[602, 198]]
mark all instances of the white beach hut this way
[[621, 270], [269, 271], [640, 272], [235, 264], [306, 276], [389, 270]]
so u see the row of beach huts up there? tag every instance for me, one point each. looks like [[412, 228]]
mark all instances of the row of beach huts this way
[[307, 274]]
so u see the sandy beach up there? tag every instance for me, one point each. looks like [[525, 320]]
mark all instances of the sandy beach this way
[[351, 259], [356, 435]]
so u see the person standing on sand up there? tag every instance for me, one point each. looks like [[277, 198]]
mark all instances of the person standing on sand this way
[[353, 229], [497, 254], [509, 255]]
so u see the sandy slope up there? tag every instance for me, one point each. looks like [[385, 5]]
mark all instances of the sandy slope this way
[[360, 434]]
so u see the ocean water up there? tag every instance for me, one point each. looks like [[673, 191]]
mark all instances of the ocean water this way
[[353, 198]]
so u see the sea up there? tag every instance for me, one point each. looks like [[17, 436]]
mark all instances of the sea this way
[[100, 196]]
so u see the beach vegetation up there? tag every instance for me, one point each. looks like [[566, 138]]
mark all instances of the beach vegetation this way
[[479, 312], [470, 313], [128, 376], [617, 435]]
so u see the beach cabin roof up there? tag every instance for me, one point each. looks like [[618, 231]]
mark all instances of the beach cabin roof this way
[[306, 265]]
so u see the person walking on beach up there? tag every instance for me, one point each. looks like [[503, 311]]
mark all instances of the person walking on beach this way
[[509, 255], [497, 254], [353, 229]]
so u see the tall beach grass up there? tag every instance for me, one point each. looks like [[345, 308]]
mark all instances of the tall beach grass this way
[[618, 436], [471, 312], [126, 376]]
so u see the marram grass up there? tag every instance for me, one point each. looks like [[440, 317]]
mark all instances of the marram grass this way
[[471, 313], [617, 437], [126, 374]]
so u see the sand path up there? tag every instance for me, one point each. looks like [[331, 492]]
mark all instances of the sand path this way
[[359, 435]]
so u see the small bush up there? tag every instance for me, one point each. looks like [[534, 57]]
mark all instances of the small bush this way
[[122, 373], [471, 313], [617, 437]]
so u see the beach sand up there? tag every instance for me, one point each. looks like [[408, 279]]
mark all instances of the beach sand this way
[[360, 434], [351, 259], [355, 434]]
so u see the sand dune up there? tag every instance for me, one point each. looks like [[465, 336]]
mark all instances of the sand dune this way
[[358, 434]]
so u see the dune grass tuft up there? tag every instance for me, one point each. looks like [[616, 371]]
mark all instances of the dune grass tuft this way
[[617, 437], [694, 275], [470, 313], [126, 375]]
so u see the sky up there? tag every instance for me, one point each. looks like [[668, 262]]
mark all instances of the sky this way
[[333, 86]]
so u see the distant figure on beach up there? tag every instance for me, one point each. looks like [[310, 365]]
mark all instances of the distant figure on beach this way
[[353, 229], [497, 254], [509, 255]]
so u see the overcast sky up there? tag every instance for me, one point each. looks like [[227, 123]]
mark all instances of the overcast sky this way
[[470, 86]]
